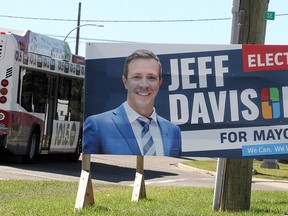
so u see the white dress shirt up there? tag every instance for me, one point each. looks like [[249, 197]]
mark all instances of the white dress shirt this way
[[137, 128]]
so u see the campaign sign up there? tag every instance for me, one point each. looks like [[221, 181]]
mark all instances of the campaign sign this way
[[224, 98]]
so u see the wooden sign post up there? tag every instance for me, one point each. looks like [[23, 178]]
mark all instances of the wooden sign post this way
[[85, 190], [139, 190]]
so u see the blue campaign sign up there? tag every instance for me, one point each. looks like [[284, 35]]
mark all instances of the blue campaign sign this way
[[222, 97]]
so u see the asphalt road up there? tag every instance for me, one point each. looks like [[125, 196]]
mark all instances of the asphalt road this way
[[159, 171]]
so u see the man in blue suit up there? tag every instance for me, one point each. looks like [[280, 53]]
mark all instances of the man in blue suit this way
[[134, 128]]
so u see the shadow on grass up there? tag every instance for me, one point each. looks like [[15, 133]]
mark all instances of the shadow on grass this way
[[101, 209], [271, 177]]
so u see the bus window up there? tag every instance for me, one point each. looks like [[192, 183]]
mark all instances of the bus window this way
[[26, 91], [34, 91], [70, 99]]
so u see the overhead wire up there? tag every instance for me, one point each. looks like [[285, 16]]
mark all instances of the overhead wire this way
[[111, 21], [115, 21], [119, 21], [123, 21]]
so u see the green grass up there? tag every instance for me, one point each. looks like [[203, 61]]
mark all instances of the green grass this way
[[20, 197], [275, 174]]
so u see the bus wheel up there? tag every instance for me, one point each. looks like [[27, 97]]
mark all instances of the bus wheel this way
[[33, 145]]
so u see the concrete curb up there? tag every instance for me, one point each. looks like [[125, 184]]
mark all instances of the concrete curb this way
[[183, 166]]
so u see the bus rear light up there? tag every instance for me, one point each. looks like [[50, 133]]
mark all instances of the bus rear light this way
[[3, 91], [2, 116], [4, 82], [3, 99]]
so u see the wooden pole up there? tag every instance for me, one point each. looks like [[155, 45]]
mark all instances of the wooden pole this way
[[85, 190], [236, 193], [139, 190]]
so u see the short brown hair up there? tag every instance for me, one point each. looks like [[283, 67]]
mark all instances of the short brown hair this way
[[138, 54]]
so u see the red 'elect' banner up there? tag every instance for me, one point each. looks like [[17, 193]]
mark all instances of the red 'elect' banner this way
[[264, 58]]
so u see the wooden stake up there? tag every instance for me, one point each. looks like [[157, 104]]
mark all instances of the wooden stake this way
[[85, 190], [139, 190]]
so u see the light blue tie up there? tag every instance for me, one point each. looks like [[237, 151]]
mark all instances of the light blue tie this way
[[146, 138]]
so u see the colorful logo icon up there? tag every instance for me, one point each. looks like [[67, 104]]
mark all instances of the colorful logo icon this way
[[270, 103]]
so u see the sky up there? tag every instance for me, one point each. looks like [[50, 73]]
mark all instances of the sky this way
[[149, 21]]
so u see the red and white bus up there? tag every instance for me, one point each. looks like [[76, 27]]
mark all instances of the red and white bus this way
[[41, 96]]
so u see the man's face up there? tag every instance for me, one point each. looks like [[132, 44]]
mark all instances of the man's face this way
[[142, 85]]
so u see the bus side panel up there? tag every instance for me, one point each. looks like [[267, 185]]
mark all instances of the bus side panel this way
[[20, 127], [65, 136]]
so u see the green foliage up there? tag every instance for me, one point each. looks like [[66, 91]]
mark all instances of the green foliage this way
[[19, 197]]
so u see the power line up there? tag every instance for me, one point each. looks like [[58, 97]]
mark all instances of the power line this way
[[38, 18], [115, 21], [281, 14], [90, 39], [124, 21]]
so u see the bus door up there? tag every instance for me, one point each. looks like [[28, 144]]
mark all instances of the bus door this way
[[66, 126], [37, 95], [51, 106]]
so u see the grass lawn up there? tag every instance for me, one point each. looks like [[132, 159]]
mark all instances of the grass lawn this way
[[20, 197], [29, 198]]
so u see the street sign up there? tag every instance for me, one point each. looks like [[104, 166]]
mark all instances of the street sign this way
[[269, 15]]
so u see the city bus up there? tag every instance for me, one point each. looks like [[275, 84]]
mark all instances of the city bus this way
[[41, 96]]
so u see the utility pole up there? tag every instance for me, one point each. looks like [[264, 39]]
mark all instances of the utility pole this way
[[78, 29], [237, 173]]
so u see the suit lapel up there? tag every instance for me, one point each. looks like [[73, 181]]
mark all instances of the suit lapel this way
[[165, 133], [122, 124]]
